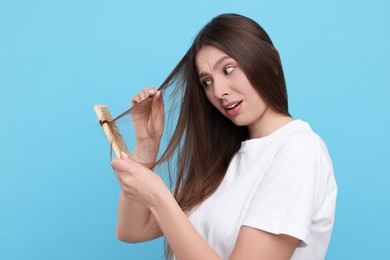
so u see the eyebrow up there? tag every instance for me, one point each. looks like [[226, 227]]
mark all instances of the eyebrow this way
[[219, 61]]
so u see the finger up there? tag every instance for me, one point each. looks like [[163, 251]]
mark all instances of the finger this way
[[119, 174], [119, 165], [122, 176], [143, 94], [135, 100], [124, 155], [158, 104], [126, 165], [157, 99], [152, 92]]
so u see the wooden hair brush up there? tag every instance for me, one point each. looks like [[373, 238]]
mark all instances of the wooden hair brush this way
[[111, 130]]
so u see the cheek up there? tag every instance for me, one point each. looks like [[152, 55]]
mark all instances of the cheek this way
[[260, 104], [213, 100]]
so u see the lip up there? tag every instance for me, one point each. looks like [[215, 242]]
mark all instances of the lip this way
[[234, 111], [231, 104]]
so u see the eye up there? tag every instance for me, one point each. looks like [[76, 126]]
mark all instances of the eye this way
[[228, 69], [206, 82]]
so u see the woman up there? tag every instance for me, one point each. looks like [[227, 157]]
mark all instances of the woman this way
[[252, 183]]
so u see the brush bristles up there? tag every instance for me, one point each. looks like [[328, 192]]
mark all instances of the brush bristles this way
[[111, 130], [115, 130]]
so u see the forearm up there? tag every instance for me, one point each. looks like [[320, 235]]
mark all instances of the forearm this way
[[135, 222], [184, 240]]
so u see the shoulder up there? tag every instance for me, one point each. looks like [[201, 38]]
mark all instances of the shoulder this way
[[301, 146], [300, 135]]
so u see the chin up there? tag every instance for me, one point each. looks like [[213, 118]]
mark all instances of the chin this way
[[240, 122]]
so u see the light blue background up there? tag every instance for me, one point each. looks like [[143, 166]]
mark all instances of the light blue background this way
[[58, 195]]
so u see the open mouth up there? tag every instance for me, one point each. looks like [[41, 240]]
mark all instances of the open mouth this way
[[233, 106]]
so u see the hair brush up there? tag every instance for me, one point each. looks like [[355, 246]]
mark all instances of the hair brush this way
[[111, 130]]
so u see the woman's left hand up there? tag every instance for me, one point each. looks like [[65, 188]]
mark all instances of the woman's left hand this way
[[138, 183]]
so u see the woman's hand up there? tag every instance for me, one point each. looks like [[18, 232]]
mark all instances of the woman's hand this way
[[137, 182], [148, 115]]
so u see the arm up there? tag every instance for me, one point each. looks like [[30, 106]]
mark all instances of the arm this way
[[257, 244], [141, 226], [144, 187], [186, 242], [148, 189], [135, 222]]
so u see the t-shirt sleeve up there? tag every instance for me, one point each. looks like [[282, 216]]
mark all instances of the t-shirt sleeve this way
[[290, 193]]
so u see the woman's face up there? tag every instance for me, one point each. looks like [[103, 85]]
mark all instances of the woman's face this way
[[228, 88]]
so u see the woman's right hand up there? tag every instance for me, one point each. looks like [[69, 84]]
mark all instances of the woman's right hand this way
[[148, 117]]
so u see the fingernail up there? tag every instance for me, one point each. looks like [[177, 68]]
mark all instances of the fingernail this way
[[151, 91], [124, 154]]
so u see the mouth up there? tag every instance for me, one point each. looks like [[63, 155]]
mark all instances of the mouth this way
[[233, 105]]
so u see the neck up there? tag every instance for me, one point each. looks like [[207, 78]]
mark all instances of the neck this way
[[267, 124]]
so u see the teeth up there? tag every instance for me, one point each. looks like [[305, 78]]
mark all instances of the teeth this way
[[233, 106]]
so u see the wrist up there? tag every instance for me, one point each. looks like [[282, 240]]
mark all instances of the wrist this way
[[147, 145], [149, 136], [145, 151], [162, 200]]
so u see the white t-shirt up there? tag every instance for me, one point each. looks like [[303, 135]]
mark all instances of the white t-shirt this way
[[283, 184]]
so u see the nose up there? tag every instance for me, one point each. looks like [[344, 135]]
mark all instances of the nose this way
[[221, 89]]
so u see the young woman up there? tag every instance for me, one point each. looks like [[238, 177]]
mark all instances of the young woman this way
[[251, 182]]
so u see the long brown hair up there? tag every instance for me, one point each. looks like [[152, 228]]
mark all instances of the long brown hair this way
[[204, 140]]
